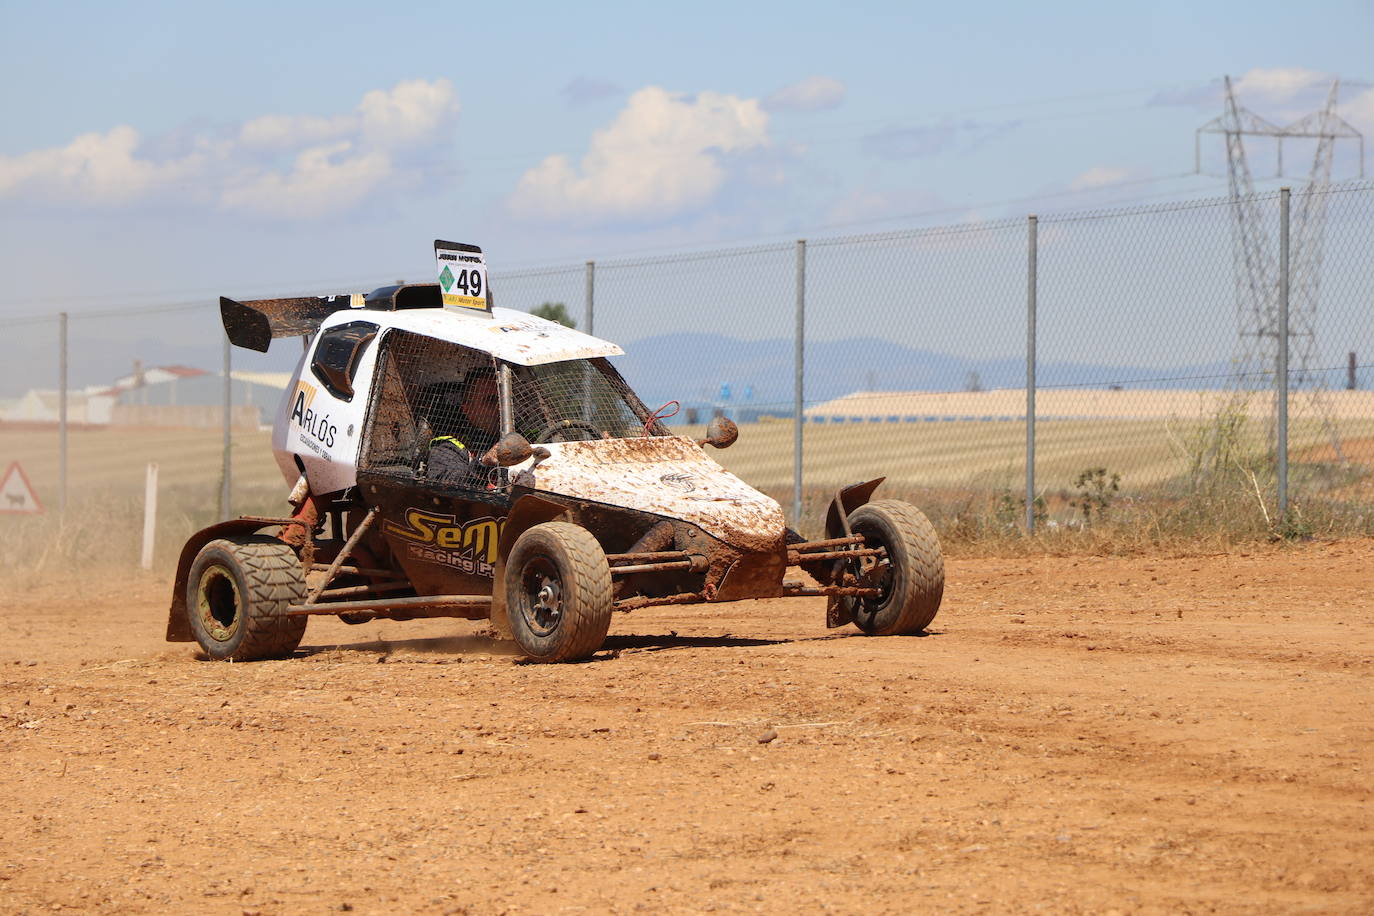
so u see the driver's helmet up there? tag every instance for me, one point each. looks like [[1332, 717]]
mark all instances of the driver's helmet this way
[[442, 403]]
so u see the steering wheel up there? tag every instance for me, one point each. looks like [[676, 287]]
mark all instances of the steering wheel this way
[[561, 426]]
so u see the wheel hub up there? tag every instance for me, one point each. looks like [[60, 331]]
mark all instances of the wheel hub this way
[[875, 572], [219, 603], [544, 592]]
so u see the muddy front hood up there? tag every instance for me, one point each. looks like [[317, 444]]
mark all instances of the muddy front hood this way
[[669, 476]]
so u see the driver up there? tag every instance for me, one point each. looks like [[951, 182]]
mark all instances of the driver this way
[[466, 419]]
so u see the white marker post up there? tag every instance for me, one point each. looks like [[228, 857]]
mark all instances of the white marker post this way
[[149, 514]]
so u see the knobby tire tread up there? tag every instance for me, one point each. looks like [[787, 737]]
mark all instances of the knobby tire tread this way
[[273, 579]]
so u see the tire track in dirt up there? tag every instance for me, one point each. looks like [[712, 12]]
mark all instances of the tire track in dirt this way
[[728, 758]]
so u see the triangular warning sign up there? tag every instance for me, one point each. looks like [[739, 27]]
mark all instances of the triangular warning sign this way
[[16, 493]]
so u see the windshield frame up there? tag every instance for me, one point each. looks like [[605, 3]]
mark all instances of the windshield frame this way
[[527, 377]]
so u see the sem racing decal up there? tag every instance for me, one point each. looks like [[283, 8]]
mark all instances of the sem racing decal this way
[[437, 537]]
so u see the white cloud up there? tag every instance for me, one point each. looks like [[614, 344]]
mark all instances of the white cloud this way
[[1279, 85], [814, 93], [1278, 93], [280, 132], [322, 180], [412, 112], [1359, 111], [1098, 176], [666, 153], [95, 169], [283, 166]]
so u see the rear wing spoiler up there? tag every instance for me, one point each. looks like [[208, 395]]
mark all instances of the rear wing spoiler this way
[[255, 323]]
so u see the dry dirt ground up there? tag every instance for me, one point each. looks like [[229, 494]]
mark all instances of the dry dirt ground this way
[[1153, 734]]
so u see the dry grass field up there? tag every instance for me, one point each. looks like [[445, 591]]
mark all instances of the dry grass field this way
[[112, 460], [991, 453], [935, 454], [957, 471]]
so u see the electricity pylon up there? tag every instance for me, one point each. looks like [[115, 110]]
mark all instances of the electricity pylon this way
[[1255, 261]]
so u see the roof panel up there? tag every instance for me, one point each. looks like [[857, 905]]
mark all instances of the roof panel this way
[[516, 337]]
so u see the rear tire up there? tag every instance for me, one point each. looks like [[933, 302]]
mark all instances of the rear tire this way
[[558, 593], [915, 581], [237, 593]]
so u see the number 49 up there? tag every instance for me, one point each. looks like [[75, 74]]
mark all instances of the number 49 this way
[[469, 281]]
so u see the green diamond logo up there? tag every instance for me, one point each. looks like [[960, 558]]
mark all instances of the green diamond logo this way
[[446, 279]]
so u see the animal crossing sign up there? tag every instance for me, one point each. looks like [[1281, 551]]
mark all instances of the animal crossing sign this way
[[16, 493]]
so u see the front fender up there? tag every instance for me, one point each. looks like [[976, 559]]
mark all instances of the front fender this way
[[178, 627], [851, 498]]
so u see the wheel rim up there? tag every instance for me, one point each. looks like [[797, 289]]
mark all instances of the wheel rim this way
[[875, 606], [542, 608], [219, 604]]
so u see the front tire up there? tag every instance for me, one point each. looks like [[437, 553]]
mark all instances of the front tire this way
[[914, 581], [558, 593], [237, 593]]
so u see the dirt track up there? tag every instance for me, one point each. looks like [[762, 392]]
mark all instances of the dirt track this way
[[1075, 735]]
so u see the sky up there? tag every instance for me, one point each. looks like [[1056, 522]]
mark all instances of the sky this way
[[158, 153]]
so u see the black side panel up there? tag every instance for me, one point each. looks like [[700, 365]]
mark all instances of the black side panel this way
[[446, 542]]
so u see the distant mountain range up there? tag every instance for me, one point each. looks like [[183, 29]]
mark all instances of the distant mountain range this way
[[701, 368]]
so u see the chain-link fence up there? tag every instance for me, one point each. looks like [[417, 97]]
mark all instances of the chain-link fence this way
[[1053, 373], [1161, 381]]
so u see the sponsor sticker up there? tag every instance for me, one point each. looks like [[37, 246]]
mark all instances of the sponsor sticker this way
[[680, 482], [516, 327], [315, 431], [438, 537]]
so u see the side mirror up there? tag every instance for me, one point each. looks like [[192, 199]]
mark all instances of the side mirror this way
[[722, 433], [511, 450]]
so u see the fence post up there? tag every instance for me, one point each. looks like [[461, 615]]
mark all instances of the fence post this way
[[228, 408], [1281, 375], [149, 515], [590, 313], [62, 413], [799, 358], [1031, 280]]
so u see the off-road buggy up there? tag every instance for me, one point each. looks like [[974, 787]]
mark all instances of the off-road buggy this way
[[571, 500]]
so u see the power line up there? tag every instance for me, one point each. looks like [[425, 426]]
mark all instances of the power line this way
[[194, 304], [922, 214]]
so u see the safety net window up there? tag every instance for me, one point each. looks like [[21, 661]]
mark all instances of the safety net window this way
[[429, 390], [578, 400]]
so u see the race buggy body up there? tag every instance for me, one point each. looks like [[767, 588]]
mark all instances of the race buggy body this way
[[451, 459]]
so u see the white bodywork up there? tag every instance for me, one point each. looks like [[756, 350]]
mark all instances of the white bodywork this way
[[665, 475], [324, 432]]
